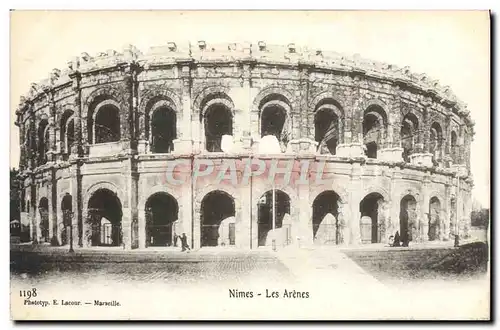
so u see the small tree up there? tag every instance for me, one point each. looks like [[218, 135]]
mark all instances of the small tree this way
[[15, 195]]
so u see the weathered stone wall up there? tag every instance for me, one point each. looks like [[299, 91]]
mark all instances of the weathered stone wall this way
[[244, 78]]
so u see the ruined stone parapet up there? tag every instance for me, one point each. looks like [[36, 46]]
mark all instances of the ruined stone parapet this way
[[259, 52]]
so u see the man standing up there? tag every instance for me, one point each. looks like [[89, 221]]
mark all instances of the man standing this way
[[184, 242]]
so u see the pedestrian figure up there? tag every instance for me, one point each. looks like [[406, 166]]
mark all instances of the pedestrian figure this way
[[397, 239], [456, 241], [406, 240], [176, 237], [184, 242], [391, 240]]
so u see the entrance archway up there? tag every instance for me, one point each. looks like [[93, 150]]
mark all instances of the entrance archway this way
[[43, 208], [162, 211], [105, 218], [217, 219], [326, 226], [371, 222], [407, 218], [434, 218], [282, 233]]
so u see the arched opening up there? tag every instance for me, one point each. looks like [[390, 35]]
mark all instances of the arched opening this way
[[374, 128], [162, 211], [454, 147], [43, 140], [163, 130], [327, 229], [67, 133], [105, 218], [436, 142], [282, 225], [67, 212], [107, 124], [326, 130], [218, 219], [272, 121], [275, 120], [434, 218], [43, 208], [408, 218], [372, 222], [409, 135], [218, 122]]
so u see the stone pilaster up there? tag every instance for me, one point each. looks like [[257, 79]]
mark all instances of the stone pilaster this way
[[130, 212], [35, 228], [77, 147], [394, 224], [424, 208], [53, 207], [127, 113], [342, 223], [447, 141], [187, 207], [306, 127], [304, 222], [52, 151], [78, 222], [184, 143], [60, 223], [355, 191], [244, 227]]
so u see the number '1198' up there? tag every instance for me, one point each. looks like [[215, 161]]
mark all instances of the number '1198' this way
[[27, 293]]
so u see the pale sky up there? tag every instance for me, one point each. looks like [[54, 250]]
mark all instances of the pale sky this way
[[452, 47]]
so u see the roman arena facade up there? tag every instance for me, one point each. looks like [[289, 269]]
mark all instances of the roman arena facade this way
[[101, 138]]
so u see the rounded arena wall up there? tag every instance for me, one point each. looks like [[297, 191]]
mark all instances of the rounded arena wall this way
[[133, 148]]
